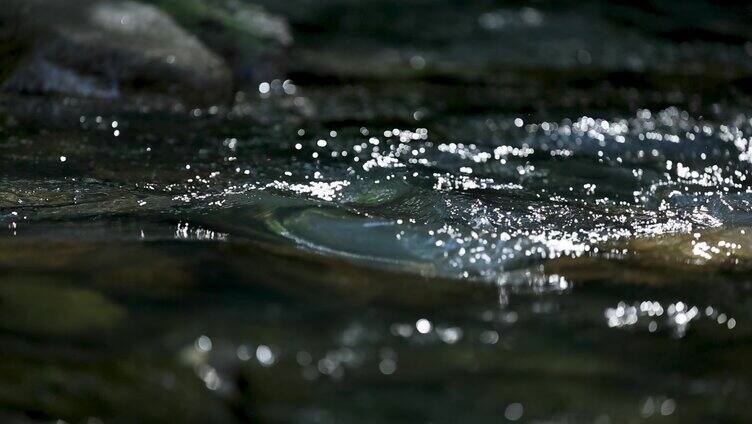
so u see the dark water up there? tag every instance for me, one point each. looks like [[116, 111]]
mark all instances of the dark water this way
[[447, 213]]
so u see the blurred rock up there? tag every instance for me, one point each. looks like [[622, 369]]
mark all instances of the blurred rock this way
[[109, 49], [252, 41], [28, 305]]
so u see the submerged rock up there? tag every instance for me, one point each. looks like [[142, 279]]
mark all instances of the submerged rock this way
[[663, 260], [27, 306], [109, 50]]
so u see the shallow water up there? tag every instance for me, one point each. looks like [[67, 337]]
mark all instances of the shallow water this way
[[539, 238]]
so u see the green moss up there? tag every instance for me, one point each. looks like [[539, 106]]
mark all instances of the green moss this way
[[41, 308], [223, 25], [379, 194]]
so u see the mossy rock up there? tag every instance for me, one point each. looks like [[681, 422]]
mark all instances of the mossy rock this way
[[110, 50], [127, 269], [253, 41], [691, 257], [43, 308]]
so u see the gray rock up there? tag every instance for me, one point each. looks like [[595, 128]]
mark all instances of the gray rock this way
[[253, 41], [110, 49]]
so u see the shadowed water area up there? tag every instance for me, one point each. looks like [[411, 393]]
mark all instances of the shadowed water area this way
[[440, 212]]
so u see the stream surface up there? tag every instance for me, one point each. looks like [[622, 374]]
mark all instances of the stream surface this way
[[444, 213]]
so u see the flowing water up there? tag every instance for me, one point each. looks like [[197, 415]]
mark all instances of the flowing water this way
[[419, 225]]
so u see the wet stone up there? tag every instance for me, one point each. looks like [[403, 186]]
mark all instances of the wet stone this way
[[109, 50]]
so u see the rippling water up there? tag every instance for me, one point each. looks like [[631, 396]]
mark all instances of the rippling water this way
[[536, 238]]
